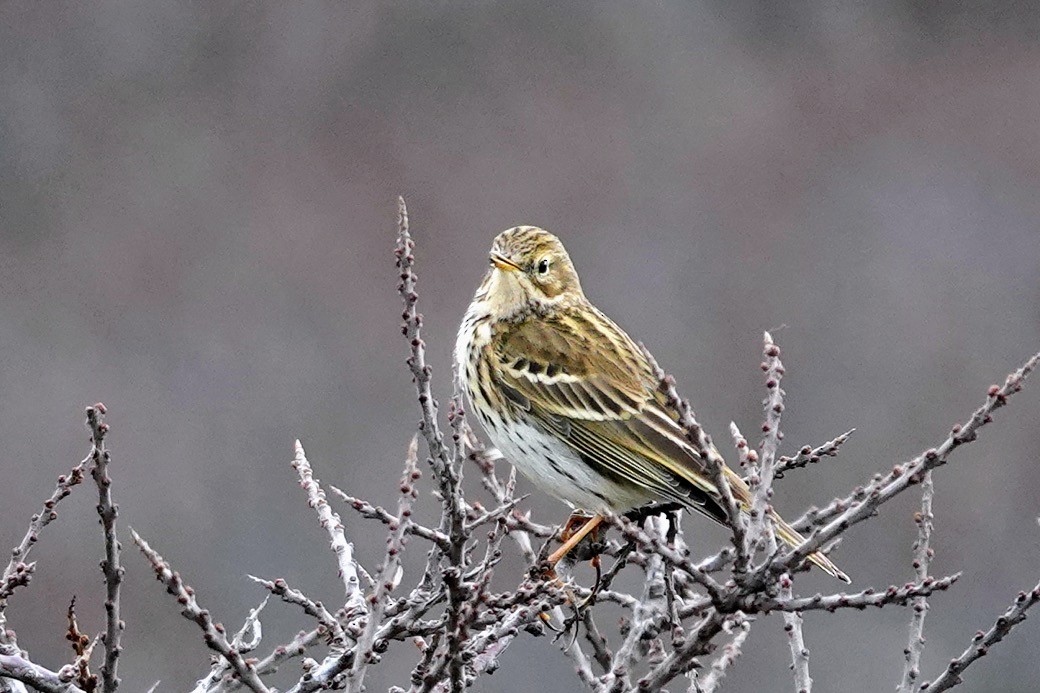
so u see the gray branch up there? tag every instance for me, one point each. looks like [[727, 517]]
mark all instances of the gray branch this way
[[108, 512], [711, 680], [864, 503], [14, 666], [922, 562], [331, 523], [213, 634], [982, 642], [810, 455]]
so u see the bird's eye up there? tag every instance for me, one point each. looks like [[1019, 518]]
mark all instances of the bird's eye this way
[[543, 266]]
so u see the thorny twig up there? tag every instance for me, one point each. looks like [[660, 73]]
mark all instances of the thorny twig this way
[[810, 455], [388, 578], [982, 642], [113, 572], [331, 523], [771, 437], [213, 633], [713, 677], [922, 562], [82, 646]]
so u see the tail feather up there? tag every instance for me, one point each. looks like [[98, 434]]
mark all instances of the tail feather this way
[[711, 505], [793, 539]]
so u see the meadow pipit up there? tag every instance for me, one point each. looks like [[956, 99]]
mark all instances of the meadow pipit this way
[[572, 401]]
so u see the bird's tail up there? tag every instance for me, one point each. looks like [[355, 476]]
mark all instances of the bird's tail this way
[[793, 539]]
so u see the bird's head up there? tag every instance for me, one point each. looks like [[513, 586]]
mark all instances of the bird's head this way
[[529, 268]]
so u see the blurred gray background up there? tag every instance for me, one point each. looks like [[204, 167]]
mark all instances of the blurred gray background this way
[[197, 218]]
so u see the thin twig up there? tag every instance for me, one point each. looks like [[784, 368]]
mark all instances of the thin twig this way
[[982, 642], [213, 634], [330, 522], [83, 647], [763, 603], [647, 614], [330, 626], [375, 512], [211, 683], [796, 641], [412, 329], [810, 455], [36, 524], [715, 464], [730, 651], [761, 476], [905, 475], [113, 572], [364, 653], [653, 545], [922, 562]]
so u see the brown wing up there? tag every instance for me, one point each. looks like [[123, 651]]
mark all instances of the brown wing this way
[[582, 377]]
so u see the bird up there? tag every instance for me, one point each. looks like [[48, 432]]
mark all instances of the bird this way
[[573, 402]]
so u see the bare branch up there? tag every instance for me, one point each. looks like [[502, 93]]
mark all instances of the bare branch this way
[[14, 666], [250, 625], [810, 455], [329, 626], [922, 562], [18, 572], [375, 512], [296, 648], [83, 647], [982, 642], [20, 577], [864, 503], [682, 658], [220, 666], [761, 477], [761, 482], [686, 610], [108, 512], [654, 546], [213, 634], [648, 612], [330, 522], [701, 442], [36, 524], [600, 648], [730, 651], [412, 329], [364, 653], [763, 603], [796, 641]]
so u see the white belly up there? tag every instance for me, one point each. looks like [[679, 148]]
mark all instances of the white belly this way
[[544, 459], [555, 469]]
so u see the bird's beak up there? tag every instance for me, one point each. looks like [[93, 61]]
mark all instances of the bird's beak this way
[[503, 263]]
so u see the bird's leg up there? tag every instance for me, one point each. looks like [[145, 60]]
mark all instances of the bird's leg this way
[[574, 539], [574, 531]]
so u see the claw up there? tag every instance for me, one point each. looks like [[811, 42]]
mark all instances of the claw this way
[[547, 620]]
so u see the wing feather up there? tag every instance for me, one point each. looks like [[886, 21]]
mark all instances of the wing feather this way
[[586, 381]]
